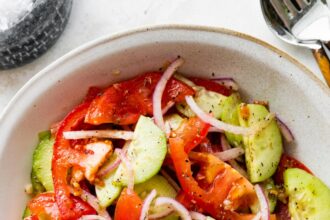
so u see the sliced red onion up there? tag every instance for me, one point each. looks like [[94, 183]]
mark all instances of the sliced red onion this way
[[226, 146], [181, 210], [94, 202], [91, 217], [215, 130], [109, 168], [228, 82], [257, 216], [229, 154], [264, 206], [129, 169], [165, 212], [286, 132], [170, 180], [215, 122], [115, 134], [112, 166], [228, 127], [224, 143], [146, 204], [159, 90], [197, 216]]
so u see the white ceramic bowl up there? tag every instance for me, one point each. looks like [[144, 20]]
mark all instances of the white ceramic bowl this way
[[263, 73]]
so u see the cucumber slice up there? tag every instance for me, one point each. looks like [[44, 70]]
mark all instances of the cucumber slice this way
[[146, 152], [42, 160], [108, 192], [26, 213], [209, 101], [159, 183], [173, 121], [36, 184], [163, 188], [229, 115], [263, 150], [309, 197]]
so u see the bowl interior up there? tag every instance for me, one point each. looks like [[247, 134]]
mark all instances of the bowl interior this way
[[262, 73]]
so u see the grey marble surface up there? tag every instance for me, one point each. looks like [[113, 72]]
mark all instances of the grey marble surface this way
[[92, 19]]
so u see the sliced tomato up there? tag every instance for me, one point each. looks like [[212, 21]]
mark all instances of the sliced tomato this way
[[124, 102], [192, 132], [92, 93], [129, 206], [211, 85], [45, 206], [227, 183], [285, 163], [187, 202], [64, 157]]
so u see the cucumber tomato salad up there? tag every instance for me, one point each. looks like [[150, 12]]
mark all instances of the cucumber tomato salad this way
[[164, 146]]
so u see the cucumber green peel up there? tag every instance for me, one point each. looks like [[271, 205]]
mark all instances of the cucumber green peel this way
[[229, 114], [42, 163]]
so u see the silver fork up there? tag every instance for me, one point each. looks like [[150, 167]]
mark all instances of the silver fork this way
[[288, 11], [294, 21]]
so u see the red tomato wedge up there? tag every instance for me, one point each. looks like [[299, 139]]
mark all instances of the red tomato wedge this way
[[285, 163], [129, 206], [211, 85], [187, 202], [65, 157], [124, 102], [45, 206], [192, 132], [92, 93], [227, 183]]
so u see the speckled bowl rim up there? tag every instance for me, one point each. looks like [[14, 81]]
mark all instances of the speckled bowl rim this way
[[111, 37]]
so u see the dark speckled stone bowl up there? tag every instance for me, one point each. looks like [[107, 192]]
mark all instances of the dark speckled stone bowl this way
[[34, 34]]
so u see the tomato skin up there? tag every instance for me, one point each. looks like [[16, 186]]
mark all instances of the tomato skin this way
[[192, 132], [44, 204], [211, 85], [92, 93], [64, 157], [129, 206], [285, 163], [124, 102], [222, 176], [186, 202]]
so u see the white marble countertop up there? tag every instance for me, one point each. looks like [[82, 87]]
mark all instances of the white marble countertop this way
[[91, 19]]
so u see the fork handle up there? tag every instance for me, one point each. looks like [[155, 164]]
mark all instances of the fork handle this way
[[322, 57]]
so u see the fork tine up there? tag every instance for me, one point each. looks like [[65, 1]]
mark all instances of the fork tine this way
[[280, 10], [291, 7], [302, 3]]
